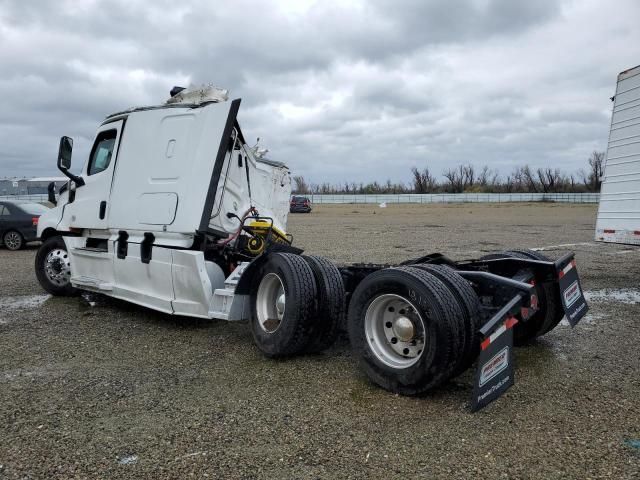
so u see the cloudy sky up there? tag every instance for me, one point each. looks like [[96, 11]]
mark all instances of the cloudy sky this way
[[340, 90]]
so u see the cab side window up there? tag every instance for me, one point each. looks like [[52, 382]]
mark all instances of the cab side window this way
[[102, 152], [3, 210]]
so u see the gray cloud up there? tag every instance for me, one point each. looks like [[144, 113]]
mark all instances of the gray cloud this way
[[340, 91]]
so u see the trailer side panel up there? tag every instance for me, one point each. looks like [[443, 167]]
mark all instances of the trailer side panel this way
[[619, 211]]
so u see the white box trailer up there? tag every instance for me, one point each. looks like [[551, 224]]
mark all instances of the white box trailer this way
[[172, 210], [619, 210]]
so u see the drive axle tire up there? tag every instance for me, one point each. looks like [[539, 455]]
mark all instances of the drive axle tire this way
[[283, 305], [53, 267], [403, 328], [331, 302], [553, 303], [526, 331], [467, 298]]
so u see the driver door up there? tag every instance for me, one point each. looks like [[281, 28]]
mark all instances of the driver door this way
[[90, 206]]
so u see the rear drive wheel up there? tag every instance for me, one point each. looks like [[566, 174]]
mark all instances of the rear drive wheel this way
[[13, 240], [553, 303], [526, 331], [468, 300], [53, 267], [402, 328], [283, 305], [331, 301]]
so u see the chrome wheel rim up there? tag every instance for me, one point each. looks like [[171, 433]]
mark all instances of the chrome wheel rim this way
[[13, 240], [57, 267], [395, 331], [271, 302]]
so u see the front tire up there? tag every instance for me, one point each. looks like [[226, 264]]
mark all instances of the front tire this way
[[13, 240], [53, 267]]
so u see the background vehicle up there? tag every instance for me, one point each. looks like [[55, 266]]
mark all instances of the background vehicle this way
[[619, 210], [19, 222], [153, 220], [299, 204]]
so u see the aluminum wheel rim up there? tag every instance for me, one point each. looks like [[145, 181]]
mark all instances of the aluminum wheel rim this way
[[12, 240], [270, 303], [57, 267], [395, 331]]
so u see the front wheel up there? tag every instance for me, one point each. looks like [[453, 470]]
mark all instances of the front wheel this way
[[53, 267], [13, 240]]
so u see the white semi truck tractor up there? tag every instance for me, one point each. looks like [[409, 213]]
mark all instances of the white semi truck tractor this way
[[174, 211]]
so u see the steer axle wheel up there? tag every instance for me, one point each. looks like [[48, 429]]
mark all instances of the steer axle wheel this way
[[53, 267]]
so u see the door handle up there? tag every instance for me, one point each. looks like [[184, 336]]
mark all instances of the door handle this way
[[103, 209]]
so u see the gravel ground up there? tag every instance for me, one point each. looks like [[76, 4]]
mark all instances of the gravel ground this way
[[110, 390]]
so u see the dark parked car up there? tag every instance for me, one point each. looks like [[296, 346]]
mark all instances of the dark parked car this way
[[19, 222], [299, 205]]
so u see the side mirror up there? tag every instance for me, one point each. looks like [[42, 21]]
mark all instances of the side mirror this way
[[64, 160], [64, 153]]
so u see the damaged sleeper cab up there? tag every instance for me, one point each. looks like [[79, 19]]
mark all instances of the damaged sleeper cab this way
[[175, 212]]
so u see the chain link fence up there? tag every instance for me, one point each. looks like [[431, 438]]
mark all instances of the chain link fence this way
[[457, 198], [416, 198]]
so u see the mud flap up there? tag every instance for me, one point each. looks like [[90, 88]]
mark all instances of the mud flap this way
[[573, 301], [495, 372]]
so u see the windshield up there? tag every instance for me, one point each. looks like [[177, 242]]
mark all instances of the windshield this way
[[32, 208]]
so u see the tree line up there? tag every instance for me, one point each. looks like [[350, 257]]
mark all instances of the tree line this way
[[469, 179]]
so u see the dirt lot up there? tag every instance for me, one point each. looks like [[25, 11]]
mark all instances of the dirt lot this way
[[115, 391]]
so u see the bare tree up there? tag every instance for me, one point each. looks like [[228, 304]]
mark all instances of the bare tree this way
[[529, 180], [483, 176], [454, 177], [596, 162], [552, 180], [468, 175], [300, 185], [423, 181], [466, 178]]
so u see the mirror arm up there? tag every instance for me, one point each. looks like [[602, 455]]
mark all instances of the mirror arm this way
[[79, 181]]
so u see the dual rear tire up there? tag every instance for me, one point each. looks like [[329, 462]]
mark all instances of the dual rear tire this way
[[550, 311], [413, 328], [297, 305]]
